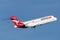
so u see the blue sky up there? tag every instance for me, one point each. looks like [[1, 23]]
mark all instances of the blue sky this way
[[27, 10]]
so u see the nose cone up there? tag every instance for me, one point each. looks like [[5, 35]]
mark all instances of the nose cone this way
[[13, 18]]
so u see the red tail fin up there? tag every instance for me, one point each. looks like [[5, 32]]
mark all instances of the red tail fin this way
[[16, 22]]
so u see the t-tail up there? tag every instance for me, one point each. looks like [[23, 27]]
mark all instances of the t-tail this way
[[16, 22]]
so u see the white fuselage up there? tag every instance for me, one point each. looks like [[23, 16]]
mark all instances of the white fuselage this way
[[40, 21]]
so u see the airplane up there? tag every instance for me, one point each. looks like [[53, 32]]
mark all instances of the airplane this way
[[32, 23]]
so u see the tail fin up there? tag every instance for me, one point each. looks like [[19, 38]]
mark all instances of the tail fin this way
[[16, 22]]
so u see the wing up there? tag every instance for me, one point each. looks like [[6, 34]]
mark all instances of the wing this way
[[40, 21]]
